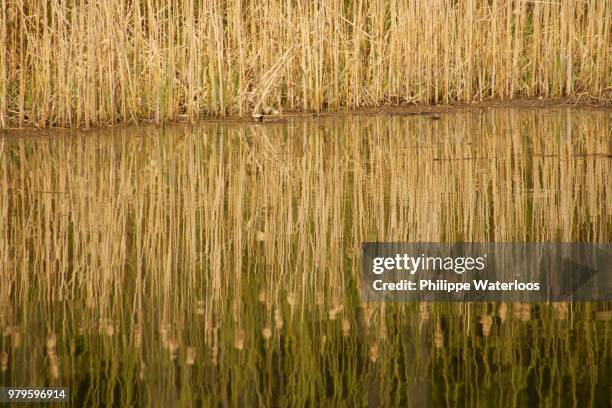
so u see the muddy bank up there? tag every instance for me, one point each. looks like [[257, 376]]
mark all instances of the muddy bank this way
[[432, 111]]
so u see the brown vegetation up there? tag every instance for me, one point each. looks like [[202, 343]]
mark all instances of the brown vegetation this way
[[73, 63]]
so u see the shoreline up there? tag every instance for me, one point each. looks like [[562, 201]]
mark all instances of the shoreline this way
[[383, 110]]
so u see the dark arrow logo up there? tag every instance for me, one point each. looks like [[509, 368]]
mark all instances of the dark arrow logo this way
[[576, 274]]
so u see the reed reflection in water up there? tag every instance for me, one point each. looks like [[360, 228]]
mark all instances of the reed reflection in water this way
[[219, 263]]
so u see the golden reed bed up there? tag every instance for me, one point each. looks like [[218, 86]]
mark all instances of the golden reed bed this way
[[74, 63]]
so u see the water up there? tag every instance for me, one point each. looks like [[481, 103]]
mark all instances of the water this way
[[218, 264]]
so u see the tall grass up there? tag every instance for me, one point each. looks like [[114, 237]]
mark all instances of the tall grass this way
[[73, 63]]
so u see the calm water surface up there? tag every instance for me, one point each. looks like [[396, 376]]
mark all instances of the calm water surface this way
[[218, 264]]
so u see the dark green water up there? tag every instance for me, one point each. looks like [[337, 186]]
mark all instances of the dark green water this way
[[218, 264]]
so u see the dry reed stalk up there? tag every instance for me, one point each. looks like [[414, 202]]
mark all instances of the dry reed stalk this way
[[92, 63]]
